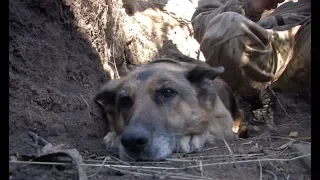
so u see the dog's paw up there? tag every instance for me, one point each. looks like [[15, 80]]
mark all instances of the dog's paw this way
[[194, 143], [191, 143], [111, 140]]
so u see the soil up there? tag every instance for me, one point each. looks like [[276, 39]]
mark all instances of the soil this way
[[61, 52]]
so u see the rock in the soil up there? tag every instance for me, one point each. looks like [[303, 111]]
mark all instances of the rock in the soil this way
[[294, 134], [303, 149]]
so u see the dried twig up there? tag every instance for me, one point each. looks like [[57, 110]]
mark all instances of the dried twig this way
[[215, 156], [119, 160], [103, 163], [84, 100], [114, 62], [284, 147], [88, 107], [209, 149], [260, 170], [294, 124], [201, 168], [165, 174], [246, 143]]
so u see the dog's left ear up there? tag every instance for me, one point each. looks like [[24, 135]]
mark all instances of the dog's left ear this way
[[200, 73], [107, 94]]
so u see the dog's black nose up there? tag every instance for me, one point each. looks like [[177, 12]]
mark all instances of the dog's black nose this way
[[134, 139]]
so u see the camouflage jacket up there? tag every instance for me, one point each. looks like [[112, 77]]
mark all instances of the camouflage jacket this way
[[256, 49]]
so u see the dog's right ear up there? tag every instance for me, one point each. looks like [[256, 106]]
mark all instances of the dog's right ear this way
[[199, 73], [107, 94]]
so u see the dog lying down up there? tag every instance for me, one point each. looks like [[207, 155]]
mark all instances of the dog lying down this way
[[167, 106]]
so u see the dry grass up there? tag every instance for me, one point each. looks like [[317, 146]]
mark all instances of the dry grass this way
[[155, 170], [177, 166], [207, 164]]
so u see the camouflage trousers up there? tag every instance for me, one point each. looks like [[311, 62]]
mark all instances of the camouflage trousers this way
[[273, 51]]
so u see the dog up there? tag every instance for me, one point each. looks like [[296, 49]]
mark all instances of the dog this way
[[167, 106]]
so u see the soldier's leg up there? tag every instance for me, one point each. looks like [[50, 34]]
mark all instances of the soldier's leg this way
[[292, 19], [244, 48], [252, 56]]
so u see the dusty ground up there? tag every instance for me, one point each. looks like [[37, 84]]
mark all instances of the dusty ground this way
[[61, 52]]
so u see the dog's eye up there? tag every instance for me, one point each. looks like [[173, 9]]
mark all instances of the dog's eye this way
[[125, 101], [168, 93]]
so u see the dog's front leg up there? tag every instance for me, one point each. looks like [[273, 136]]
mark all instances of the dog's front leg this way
[[111, 140], [194, 143]]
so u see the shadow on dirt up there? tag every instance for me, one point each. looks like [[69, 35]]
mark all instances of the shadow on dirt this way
[[53, 74]]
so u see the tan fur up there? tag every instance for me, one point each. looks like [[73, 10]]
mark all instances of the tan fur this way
[[221, 123], [201, 109]]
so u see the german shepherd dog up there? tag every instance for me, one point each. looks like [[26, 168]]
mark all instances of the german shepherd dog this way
[[167, 106]]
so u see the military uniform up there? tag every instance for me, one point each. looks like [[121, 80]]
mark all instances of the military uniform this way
[[256, 50]]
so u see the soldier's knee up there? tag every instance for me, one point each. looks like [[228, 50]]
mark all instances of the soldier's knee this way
[[230, 13], [234, 18]]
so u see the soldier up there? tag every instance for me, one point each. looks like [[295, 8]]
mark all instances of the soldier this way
[[257, 49]]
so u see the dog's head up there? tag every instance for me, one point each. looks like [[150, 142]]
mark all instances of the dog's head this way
[[156, 104]]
